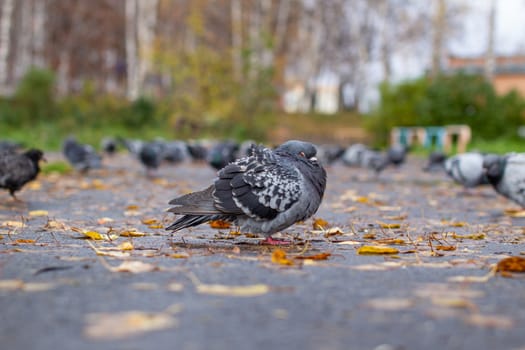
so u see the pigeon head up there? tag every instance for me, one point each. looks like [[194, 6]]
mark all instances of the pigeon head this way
[[494, 167], [298, 148], [35, 155]]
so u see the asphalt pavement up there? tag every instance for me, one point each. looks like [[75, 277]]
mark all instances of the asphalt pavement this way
[[85, 263]]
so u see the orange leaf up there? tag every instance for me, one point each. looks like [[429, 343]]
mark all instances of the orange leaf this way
[[279, 257], [219, 224], [25, 241], [320, 256], [320, 224], [511, 264], [372, 250], [445, 247]]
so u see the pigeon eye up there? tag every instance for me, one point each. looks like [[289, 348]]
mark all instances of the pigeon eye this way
[[302, 154]]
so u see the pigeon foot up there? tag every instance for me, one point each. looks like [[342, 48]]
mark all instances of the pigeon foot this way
[[271, 241]]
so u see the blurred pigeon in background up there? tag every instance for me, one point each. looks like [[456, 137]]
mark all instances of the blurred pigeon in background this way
[[222, 154], [435, 161], [329, 153], [352, 155], [151, 155], [507, 175], [264, 193], [175, 152], [81, 156], [9, 146], [467, 168], [197, 150], [108, 145], [396, 154], [18, 169]]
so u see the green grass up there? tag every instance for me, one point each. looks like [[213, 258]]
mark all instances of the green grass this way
[[500, 146], [59, 167]]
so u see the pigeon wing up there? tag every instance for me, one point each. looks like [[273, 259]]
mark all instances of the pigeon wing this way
[[260, 186]]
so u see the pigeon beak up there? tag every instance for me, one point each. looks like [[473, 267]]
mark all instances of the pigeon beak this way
[[43, 159]]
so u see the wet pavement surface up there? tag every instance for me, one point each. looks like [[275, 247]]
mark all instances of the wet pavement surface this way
[[85, 263]]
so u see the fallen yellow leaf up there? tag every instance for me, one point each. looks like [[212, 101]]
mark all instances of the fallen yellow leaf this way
[[219, 224], [38, 213], [126, 246], [489, 321], [134, 267], [279, 257], [320, 224], [376, 249], [150, 221], [320, 256], [93, 235], [474, 236], [445, 247], [390, 226], [511, 264], [24, 241], [132, 233], [107, 326], [10, 223], [233, 291], [390, 304]]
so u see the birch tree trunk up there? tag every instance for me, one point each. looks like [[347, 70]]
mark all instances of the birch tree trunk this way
[[5, 43], [439, 28], [39, 34], [25, 33], [385, 12], [489, 55], [146, 23], [132, 91]]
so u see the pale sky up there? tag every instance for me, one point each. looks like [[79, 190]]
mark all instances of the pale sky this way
[[510, 28]]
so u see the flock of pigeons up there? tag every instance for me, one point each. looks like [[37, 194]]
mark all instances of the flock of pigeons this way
[[260, 189]]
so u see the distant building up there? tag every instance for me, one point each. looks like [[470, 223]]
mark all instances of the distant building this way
[[509, 71]]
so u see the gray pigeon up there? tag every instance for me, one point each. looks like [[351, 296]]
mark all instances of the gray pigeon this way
[[507, 175], [18, 169], [435, 161], [151, 155], [396, 154], [374, 160], [467, 169], [264, 193], [82, 157], [352, 155], [109, 145]]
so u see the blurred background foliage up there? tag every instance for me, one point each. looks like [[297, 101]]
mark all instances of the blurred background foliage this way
[[222, 69], [447, 100]]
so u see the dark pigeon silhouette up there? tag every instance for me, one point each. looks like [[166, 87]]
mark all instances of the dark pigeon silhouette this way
[[396, 154], [175, 152], [197, 150], [109, 145], [222, 154], [81, 156], [151, 155], [435, 161], [264, 193], [9, 146], [507, 175], [352, 155], [18, 169], [330, 153]]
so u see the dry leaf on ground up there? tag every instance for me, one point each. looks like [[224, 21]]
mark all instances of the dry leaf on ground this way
[[279, 257], [376, 249], [106, 326], [219, 224]]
